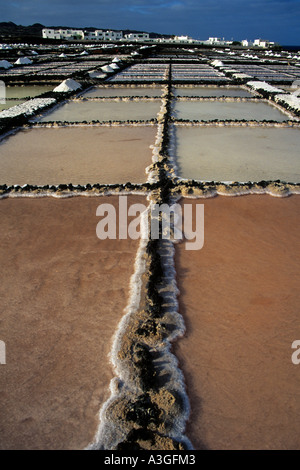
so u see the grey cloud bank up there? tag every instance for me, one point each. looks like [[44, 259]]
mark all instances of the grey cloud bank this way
[[277, 20]]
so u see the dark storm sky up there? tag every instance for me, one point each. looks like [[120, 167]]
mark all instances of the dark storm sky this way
[[276, 20]]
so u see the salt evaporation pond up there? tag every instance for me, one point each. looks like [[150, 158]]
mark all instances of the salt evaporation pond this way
[[77, 155], [238, 154], [239, 296], [27, 90], [99, 92], [77, 111], [10, 104], [222, 110], [62, 297], [236, 92]]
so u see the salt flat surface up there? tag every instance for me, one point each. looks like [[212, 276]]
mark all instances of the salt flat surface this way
[[239, 298], [209, 110], [120, 91], [238, 154], [212, 91], [28, 90], [62, 297], [10, 103], [103, 111], [76, 155]]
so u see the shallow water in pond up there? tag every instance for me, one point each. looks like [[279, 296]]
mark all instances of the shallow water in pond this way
[[120, 91], [76, 155], [28, 90], [210, 110], [238, 154], [104, 111], [62, 299], [239, 295], [10, 104], [212, 91]]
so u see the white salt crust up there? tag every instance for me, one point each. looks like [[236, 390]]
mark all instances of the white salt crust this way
[[67, 85], [28, 108], [109, 434]]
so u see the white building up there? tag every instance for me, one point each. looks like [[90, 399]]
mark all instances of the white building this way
[[246, 43], [91, 35], [51, 33], [58, 33], [183, 39], [97, 35], [213, 41], [137, 36], [217, 42], [112, 35], [79, 34], [264, 43]]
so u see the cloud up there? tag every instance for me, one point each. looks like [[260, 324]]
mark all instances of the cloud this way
[[274, 19]]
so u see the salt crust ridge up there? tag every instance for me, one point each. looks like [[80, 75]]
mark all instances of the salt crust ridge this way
[[291, 100], [28, 108], [231, 190], [258, 85], [107, 429], [109, 433]]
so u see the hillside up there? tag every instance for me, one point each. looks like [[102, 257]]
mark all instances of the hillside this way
[[12, 30], [9, 30]]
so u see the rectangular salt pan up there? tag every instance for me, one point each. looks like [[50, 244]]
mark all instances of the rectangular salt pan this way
[[103, 111], [62, 297], [77, 155], [210, 110], [212, 91], [238, 154], [9, 103], [242, 288], [28, 90], [121, 91]]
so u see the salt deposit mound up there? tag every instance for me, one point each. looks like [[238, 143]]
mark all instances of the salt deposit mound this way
[[23, 61], [114, 66], [62, 55], [116, 59], [95, 74], [4, 64], [67, 85], [217, 63], [107, 69]]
